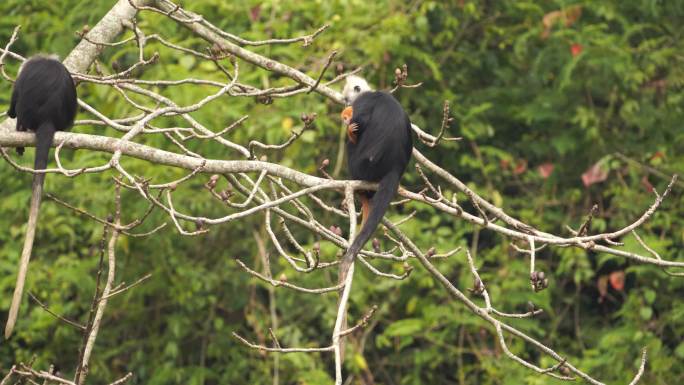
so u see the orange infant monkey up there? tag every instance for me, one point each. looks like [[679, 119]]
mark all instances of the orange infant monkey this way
[[351, 127]]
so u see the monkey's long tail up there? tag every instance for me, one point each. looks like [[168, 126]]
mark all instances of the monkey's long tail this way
[[44, 137], [387, 189]]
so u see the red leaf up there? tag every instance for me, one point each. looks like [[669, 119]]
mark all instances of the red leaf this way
[[545, 169], [658, 155], [647, 185], [617, 280], [594, 174], [576, 49], [567, 17], [254, 13], [520, 167]]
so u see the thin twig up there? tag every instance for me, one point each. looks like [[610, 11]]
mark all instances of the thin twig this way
[[59, 317]]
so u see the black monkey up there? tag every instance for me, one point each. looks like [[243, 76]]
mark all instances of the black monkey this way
[[378, 150], [43, 101]]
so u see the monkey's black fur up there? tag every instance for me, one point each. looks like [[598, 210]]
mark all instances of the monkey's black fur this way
[[43, 101], [381, 152]]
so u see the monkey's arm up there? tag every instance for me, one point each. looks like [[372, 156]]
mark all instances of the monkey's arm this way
[[12, 112]]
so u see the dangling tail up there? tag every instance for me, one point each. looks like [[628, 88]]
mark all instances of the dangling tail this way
[[44, 137], [387, 189]]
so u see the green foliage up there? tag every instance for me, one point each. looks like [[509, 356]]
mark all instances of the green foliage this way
[[522, 96]]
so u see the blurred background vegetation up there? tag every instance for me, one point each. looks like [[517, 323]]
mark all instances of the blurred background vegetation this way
[[557, 111]]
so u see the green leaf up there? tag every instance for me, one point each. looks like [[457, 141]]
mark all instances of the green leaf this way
[[404, 327], [650, 296], [679, 351]]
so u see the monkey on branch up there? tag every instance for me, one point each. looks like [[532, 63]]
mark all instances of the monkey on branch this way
[[379, 147], [43, 101]]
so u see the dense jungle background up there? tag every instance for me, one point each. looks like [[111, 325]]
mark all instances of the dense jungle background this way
[[556, 115]]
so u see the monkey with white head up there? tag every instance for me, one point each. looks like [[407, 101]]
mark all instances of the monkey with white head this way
[[378, 150]]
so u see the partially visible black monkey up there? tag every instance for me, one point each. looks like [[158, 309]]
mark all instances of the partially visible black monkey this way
[[43, 101], [378, 150]]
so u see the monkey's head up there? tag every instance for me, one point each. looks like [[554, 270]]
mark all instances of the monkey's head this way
[[354, 87], [38, 57]]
